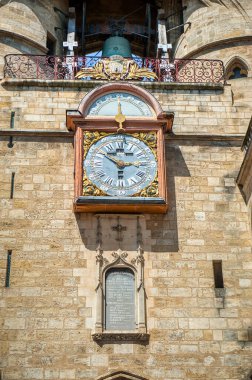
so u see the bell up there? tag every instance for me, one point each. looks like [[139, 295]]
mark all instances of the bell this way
[[116, 46]]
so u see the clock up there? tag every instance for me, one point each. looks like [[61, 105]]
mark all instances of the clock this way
[[119, 144], [120, 171], [120, 165]]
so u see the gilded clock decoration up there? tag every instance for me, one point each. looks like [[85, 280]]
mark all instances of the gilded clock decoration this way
[[90, 189], [149, 191], [116, 68]]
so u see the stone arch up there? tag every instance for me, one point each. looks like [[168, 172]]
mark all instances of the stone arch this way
[[32, 38], [121, 375], [138, 329], [125, 87], [236, 66], [119, 262]]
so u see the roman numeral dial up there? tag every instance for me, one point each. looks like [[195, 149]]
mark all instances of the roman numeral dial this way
[[120, 165]]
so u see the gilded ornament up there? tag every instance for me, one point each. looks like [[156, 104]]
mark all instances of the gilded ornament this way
[[90, 138], [116, 68], [90, 189], [149, 191]]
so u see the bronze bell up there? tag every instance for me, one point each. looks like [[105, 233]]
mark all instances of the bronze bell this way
[[116, 46]]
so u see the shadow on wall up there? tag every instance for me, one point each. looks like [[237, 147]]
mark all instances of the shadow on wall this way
[[164, 228], [157, 232]]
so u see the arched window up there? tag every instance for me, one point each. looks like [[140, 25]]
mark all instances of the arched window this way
[[120, 299], [236, 69]]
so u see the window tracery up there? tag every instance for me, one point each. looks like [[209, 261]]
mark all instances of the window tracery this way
[[236, 69]]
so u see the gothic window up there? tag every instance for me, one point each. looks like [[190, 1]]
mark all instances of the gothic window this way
[[236, 69], [120, 299]]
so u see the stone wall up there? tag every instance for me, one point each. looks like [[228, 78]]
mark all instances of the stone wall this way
[[48, 313], [210, 26], [24, 26]]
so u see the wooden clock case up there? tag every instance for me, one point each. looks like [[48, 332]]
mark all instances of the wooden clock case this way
[[79, 122]]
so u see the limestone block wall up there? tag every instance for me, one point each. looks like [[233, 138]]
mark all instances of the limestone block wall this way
[[24, 26], [48, 313], [197, 110], [213, 25]]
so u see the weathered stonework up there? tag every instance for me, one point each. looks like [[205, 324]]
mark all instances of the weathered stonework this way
[[49, 313]]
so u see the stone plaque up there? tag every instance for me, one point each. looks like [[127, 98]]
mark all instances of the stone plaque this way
[[120, 300]]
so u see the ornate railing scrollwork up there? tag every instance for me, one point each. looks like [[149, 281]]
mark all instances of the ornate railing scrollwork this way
[[144, 69]]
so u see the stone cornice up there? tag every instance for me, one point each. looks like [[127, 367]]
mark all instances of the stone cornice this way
[[86, 85], [34, 132], [182, 138], [170, 137], [24, 39]]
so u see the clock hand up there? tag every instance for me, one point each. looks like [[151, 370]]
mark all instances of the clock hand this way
[[134, 163], [119, 163], [122, 164]]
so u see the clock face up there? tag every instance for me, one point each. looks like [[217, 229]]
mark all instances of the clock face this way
[[120, 165]]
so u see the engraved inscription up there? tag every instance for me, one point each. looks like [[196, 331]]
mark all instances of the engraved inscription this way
[[120, 300]]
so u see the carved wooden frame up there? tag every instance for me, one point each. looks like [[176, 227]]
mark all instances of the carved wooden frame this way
[[79, 122]]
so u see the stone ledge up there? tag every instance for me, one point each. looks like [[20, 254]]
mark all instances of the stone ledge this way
[[110, 337], [34, 132], [207, 138], [76, 83]]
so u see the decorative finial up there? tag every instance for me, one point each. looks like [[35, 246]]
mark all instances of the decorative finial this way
[[120, 118]]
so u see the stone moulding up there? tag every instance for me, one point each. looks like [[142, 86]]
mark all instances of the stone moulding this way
[[64, 83], [119, 375], [110, 337]]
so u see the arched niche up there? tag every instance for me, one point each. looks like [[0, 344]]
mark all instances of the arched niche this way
[[123, 298], [236, 68]]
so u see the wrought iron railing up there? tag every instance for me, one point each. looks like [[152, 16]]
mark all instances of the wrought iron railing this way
[[248, 137], [145, 69]]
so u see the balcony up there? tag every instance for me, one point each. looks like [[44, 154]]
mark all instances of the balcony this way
[[248, 138], [244, 178], [86, 68]]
